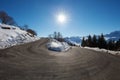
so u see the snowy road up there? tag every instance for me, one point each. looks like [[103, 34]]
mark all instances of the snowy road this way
[[33, 61]]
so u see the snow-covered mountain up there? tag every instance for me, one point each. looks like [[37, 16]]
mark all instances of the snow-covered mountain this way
[[12, 35], [115, 35]]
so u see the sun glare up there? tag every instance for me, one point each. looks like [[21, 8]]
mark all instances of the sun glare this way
[[61, 18]]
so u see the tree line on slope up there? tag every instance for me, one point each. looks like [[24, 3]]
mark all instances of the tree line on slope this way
[[100, 42], [6, 19]]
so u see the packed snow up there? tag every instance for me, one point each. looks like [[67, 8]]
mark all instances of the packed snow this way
[[12, 35], [57, 46], [104, 50]]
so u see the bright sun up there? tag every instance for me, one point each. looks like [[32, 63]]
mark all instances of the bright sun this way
[[61, 18]]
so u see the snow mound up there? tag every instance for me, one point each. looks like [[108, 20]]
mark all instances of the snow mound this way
[[57, 46], [104, 50], [12, 35]]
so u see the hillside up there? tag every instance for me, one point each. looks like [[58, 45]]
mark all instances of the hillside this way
[[12, 35]]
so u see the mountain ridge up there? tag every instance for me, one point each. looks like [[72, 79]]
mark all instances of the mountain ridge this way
[[114, 35]]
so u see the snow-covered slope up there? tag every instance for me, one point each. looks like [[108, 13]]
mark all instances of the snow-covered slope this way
[[11, 35], [57, 46]]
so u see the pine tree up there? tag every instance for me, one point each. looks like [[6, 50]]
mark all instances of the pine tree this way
[[83, 44], [111, 45], [59, 37], [102, 42], [94, 41], [89, 41], [55, 35], [117, 45]]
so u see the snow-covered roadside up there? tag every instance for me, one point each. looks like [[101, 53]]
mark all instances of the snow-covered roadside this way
[[12, 35], [57, 46], [104, 50]]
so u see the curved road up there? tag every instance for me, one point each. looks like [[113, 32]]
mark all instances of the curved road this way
[[32, 61]]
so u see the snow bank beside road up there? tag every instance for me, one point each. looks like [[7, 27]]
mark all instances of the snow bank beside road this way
[[104, 50], [57, 46]]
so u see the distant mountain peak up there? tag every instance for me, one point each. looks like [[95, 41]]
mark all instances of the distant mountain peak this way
[[113, 34]]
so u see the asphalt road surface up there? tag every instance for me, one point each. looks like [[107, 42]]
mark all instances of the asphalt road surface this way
[[33, 61]]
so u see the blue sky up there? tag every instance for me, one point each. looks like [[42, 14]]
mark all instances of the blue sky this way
[[84, 17]]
